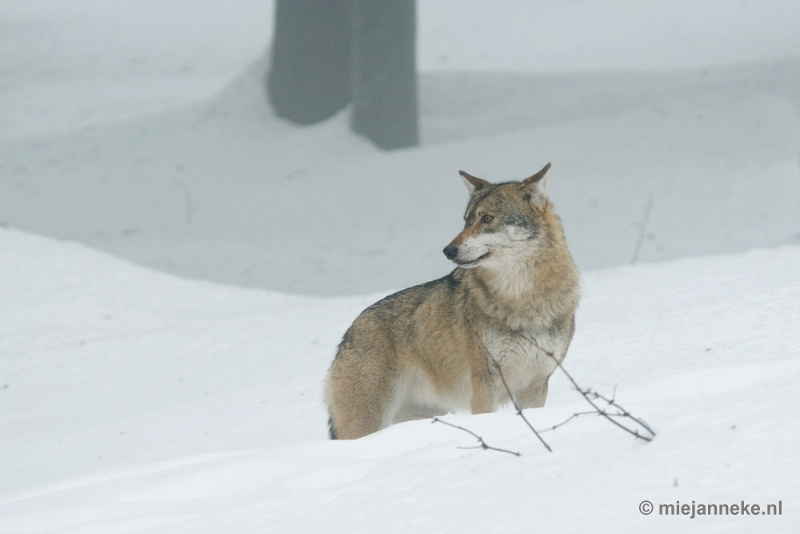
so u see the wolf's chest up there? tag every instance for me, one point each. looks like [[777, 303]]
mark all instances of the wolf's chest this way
[[509, 349], [521, 356]]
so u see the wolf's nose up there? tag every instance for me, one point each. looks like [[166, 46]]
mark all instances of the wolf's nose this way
[[450, 252]]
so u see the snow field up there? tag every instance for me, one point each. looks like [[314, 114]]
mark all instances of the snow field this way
[[137, 400], [207, 183], [224, 191]]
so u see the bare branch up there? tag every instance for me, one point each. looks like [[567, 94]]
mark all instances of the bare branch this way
[[589, 394], [482, 444], [648, 207], [516, 406], [508, 391], [570, 418], [624, 412]]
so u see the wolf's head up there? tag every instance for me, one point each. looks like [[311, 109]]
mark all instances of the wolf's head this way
[[504, 223]]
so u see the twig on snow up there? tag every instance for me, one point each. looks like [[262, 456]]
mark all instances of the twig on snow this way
[[567, 420], [591, 396], [516, 406], [508, 391], [588, 394], [482, 444]]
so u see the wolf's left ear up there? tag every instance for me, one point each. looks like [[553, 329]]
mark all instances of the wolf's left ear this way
[[540, 179], [537, 183], [472, 183]]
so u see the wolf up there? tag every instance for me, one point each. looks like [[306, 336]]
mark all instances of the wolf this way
[[506, 313]]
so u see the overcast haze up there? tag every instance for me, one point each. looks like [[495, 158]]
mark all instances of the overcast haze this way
[[177, 266], [143, 130]]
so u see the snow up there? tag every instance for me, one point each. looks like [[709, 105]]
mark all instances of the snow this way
[[162, 349], [66, 64], [69, 63], [570, 35], [138, 400], [200, 189]]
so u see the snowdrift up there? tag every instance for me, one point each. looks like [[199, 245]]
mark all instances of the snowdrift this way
[[134, 400]]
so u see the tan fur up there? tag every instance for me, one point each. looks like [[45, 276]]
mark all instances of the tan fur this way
[[430, 349]]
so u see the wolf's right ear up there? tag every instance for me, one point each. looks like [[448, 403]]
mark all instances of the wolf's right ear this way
[[472, 183]]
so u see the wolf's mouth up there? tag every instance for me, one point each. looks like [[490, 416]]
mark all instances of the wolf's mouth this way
[[473, 263]]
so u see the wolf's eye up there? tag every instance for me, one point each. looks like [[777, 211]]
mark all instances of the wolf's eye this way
[[487, 218]]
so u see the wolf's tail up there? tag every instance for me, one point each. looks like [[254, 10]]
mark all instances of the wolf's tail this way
[[331, 428]]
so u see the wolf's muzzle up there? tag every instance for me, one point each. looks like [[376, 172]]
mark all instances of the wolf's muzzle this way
[[450, 252]]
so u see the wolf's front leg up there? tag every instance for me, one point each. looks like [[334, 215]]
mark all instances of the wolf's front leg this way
[[535, 395], [483, 398]]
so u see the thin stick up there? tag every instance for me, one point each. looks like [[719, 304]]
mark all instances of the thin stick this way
[[516, 406], [587, 393], [508, 390], [642, 228], [483, 444], [570, 418], [624, 412]]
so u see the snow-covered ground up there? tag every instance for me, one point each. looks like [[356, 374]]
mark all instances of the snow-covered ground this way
[[220, 189], [135, 400]]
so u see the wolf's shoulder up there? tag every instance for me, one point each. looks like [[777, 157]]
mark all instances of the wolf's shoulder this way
[[441, 288]]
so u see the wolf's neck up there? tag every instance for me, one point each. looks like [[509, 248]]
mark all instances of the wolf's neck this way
[[512, 284], [522, 294]]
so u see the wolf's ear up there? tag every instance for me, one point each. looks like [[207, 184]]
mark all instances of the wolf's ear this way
[[472, 183], [537, 184], [539, 179]]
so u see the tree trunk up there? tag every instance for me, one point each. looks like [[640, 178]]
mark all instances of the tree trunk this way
[[384, 75], [309, 79]]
